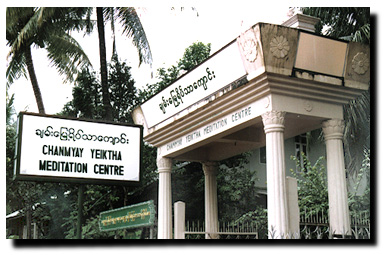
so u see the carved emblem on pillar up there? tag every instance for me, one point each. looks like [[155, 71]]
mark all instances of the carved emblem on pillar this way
[[308, 105], [249, 45], [279, 46], [333, 129], [273, 120], [360, 63]]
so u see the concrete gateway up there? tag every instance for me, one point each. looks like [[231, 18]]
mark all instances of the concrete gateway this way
[[269, 84]]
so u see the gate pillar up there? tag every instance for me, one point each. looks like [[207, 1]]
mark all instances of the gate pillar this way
[[164, 198], [278, 226], [211, 207], [338, 197]]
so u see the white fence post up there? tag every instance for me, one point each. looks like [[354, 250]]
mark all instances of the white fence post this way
[[293, 208], [179, 220]]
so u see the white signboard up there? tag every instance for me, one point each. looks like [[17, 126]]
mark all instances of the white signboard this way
[[77, 150], [209, 77]]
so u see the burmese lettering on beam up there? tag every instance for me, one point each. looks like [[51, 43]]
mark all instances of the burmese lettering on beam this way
[[217, 72]]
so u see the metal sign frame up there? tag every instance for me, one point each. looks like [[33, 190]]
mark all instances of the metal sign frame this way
[[18, 176]]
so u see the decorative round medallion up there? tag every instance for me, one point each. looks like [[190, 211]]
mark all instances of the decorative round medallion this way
[[279, 46], [267, 102], [250, 50], [360, 63], [308, 105]]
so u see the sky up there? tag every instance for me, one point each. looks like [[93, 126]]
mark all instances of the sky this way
[[169, 31]]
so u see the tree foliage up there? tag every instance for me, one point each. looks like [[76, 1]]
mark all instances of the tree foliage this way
[[361, 203], [237, 193], [87, 94], [194, 55], [348, 23], [312, 187]]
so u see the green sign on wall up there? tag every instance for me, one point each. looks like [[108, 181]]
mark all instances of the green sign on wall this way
[[133, 216]]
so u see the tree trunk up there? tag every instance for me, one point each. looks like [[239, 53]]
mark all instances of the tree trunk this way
[[103, 65], [39, 102], [34, 81]]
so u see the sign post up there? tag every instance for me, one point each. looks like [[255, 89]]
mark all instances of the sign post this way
[[133, 216], [81, 189]]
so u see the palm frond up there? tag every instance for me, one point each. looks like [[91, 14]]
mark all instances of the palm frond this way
[[133, 28], [15, 17], [27, 32], [44, 14], [357, 131], [65, 53], [16, 68]]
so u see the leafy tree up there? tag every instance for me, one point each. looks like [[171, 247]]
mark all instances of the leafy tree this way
[[259, 217], [187, 184], [194, 55], [313, 193], [10, 152], [123, 91], [46, 28], [87, 102], [20, 196], [312, 187], [236, 193], [166, 77], [361, 204]]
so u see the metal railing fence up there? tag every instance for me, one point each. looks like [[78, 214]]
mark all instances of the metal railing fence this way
[[311, 227], [226, 230]]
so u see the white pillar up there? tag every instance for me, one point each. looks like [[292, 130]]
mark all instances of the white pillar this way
[[336, 178], [164, 199], [211, 207], [278, 226]]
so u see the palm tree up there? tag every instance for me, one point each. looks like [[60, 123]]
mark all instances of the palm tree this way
[[46, 28], [132, 28]]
